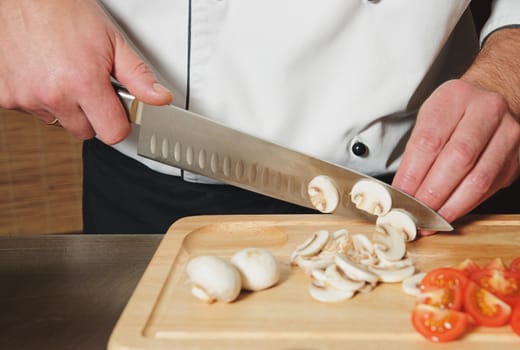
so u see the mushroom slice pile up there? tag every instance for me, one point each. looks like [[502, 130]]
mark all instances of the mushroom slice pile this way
[[371, 197], [342, 264]]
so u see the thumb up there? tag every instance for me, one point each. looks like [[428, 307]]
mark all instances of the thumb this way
[[131, 71]]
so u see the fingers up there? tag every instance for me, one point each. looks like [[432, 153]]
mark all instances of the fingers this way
[[497, 168], [104, 114], [436, 121], [137, 76], [462, 150]]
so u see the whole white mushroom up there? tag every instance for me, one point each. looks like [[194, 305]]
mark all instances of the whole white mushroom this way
[[213, 279], [258, 268]]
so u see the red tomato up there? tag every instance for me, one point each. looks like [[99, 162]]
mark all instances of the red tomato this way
[[438, 325], [485, 308], [515, 319], [468, 267], [504, 284], [451, 281], [515, 265], [496, 264]]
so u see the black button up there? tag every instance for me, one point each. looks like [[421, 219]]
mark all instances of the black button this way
[[359, 149]]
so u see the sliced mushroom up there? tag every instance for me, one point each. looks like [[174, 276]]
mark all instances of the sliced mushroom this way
[[313, 245], [411, 284], [319, 278], [399, 264], [319, 262], [258, 268], [328, 294], [213, 279], [323, 193], [401, 220], [393, 275], [362, 245], [339, 242], [371, 196], [354, 270], [391, 245], [337, 279], [367, 288]]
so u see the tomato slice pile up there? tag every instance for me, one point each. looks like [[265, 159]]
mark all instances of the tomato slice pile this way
[[452, 298]]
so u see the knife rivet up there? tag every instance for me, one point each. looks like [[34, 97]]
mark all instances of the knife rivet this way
[[359, 149]]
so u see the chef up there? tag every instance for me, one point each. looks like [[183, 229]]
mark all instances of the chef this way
[[383, 87]]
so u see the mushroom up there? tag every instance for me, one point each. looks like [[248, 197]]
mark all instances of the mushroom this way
[[328, 294], [339, 242], [371, 196], [312, 246], [392, 275], [390, 244], [401, 220], [323, 193], [319, 278], [411, 284], [354, 270], [318, 262], [213, 279], [258, 268], [337, 279]]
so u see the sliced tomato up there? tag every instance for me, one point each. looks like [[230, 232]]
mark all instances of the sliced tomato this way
[[444, 298], [451, 281], [504, 284], [515, 265], [496, 264], [468, 267], [439, 325], [485, 308], [515, 319]]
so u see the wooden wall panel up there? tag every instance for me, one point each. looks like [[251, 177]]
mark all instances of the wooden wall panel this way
[[40, 177]]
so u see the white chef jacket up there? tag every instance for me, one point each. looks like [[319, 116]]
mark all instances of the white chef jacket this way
[[314, 76]]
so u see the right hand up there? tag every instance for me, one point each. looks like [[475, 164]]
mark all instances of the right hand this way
[[56, 60]]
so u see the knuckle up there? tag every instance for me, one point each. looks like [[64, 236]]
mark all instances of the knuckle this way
[[141, 68], [464, 152], [427, 141], [496, 104], [480, 182], [408, 180], [51, 98]]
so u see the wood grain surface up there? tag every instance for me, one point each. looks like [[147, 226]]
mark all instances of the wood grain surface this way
[[162, 313], [40, 177]]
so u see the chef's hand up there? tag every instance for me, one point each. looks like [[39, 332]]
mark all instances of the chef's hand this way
[[56, 59], [464, 148]]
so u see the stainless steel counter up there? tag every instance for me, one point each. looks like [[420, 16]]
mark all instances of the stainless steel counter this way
[[67, 291]]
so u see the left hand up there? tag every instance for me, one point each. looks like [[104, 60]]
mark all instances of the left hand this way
[[464, 148]]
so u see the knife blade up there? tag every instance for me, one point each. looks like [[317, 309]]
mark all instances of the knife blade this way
[[191, 142]]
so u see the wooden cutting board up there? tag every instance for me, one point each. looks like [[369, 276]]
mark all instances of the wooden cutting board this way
[[162, 313]]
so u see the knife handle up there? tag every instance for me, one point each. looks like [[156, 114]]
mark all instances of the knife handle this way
[[129, 102]]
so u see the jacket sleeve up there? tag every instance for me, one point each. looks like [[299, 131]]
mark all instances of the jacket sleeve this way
[[504, 14]]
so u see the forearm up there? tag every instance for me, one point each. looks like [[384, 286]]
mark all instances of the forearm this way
[[497, 67]]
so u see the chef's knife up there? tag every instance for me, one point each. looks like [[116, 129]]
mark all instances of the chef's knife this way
[[186, 140]]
